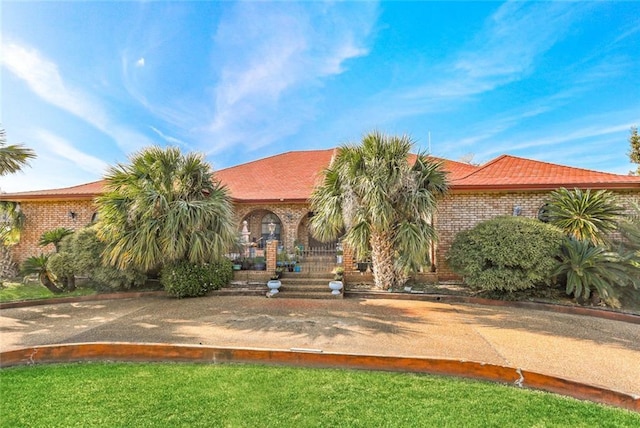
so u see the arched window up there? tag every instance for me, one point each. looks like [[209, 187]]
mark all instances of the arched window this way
[[266, 220]]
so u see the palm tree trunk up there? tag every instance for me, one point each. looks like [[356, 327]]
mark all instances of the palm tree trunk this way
[[382, 260], [46, 281]]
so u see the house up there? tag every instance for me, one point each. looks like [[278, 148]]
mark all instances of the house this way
[[275, 190]]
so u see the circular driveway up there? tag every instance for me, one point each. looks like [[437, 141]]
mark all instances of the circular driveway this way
[[591, 350]]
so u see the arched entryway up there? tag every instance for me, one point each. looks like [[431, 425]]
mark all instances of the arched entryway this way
[[258, 225]]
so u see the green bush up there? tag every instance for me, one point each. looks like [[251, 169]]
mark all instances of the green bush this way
[[185, 279], [506, 253], [81, 255]]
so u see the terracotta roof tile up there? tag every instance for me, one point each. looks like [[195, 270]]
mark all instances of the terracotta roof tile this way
[[291, 176], [82, 191], [507, 172]]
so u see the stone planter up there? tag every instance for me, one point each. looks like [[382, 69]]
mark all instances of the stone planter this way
[[274, 285], [335, 287]]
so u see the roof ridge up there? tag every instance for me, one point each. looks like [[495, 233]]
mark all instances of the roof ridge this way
[[482, 167], [560, 165], [271, 157]]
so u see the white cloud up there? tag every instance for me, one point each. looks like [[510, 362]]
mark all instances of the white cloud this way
[[62, 148], [44, 79], [169, 139], [140, 62], [275, 59]]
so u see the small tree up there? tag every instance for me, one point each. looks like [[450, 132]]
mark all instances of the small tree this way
[[634, 151], [38, 265], [506, 253], [80, 254], [54, 236]]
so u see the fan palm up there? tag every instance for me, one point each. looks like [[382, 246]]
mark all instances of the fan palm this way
[[584, 215], [13, 157], [163, 207], [383, 202]]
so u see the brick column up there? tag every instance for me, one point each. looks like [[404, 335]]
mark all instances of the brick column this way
[[348, 262], [271, 255]]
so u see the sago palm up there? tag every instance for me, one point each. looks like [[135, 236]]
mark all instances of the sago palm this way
[[384, 201], [54, 236], [38, 265], [588, 267], [162, 207], [584, 215], [13, 156]]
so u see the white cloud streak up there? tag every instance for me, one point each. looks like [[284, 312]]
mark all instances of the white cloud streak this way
[[44, 79], [270, 52], [62, 148]]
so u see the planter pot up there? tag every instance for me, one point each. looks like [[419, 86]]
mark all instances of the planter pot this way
[[259, 266], [274, 285], [237, 267], [297, 268], [335, 287]]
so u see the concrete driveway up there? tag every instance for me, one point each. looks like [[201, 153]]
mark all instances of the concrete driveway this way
[[591, 350]]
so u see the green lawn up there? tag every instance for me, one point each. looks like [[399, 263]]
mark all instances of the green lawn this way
[[191, 395], [16, 291]]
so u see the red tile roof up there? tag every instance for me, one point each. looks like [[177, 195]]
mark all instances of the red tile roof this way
[[511, 172], [291, 177]]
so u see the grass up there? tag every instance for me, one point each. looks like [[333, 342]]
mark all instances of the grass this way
[[192, 395], [16, 291]]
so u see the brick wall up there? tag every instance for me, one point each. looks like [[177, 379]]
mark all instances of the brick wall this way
[[41, 216], [457, 212], [462, 211]]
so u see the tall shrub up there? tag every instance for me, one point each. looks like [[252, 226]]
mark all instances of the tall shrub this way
[[506, 253]]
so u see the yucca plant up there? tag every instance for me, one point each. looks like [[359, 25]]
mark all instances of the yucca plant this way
[[584, 215], [588, 267], [54, 236], [383, 202], [38, 265]]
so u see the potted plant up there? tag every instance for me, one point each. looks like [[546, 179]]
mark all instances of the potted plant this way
[[338, 273], [259, 263]]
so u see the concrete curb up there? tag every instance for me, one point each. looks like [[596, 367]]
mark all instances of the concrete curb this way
[[136, 352], [448, 298]]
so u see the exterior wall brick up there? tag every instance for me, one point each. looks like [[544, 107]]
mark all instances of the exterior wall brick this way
[[462, 211], [41, 216], [457, 212]]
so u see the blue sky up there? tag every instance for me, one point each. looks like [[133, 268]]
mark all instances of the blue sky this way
[[85, 84]]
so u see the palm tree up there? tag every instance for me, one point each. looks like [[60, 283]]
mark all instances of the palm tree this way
[[13, 157], [54, 236], [384, 202], [39, 265], [584, 215], [163, 207], [588, 267]]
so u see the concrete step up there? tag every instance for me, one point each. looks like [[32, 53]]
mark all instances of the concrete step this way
[[306, 295]]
